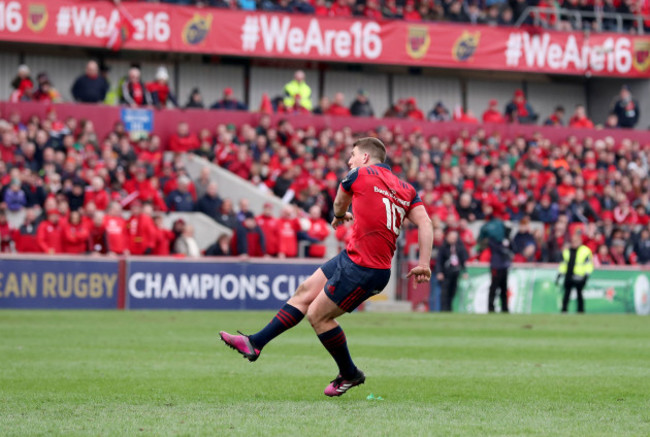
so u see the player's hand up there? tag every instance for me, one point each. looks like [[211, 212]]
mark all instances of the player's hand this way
[[336, 222], [420, 274]]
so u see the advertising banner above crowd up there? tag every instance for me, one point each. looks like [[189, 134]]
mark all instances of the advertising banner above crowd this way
[[148, 26]]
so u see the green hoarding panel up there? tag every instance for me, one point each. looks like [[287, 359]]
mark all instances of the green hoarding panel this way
[[533, 290]]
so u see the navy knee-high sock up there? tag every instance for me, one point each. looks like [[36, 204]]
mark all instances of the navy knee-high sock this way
[[336, 344], [288, 317]]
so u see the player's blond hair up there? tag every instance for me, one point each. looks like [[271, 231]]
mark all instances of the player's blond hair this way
[[372, 146]]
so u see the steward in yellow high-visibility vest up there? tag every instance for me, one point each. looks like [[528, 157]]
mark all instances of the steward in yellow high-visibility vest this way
[[576, 266], [297, 87]]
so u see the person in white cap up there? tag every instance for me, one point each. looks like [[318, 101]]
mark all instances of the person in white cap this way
[[159, 89], [22, 85]]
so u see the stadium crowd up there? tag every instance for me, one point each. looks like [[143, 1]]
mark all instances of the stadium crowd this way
[[490, 12], [73, 187], [93, 87]]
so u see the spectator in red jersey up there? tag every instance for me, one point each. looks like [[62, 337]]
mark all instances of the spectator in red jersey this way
[[229, 102], [466, 116], [45, 92], [338, 108], [410, 13], [624, 213], [75, 235], [159, 89], [556, 118], [164, 237], [115, 227], [141, 188], [519, 110], [341, 8], [134, 92], [288, 228], [372, 11], [183, 141], [23, 85], [151, 153], [412, 110], [319, 230], [492, 114], [97, 194], [446, 209], [8, 146], [579, 119], [48, 235], [25, 237], [221, 247], [321, 8], [269, 226], [5, 233], [140, 230], [242, 165], [390, 10]]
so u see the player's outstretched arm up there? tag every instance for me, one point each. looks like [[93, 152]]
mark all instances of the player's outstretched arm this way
[[341, 205], [422, 272]]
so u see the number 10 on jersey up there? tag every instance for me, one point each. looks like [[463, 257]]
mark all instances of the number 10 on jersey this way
[[394, 216]]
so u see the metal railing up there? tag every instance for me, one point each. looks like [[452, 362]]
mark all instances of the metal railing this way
[[582, 20]]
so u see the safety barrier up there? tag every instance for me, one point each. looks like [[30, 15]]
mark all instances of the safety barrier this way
[[60, 282], [138, 283]]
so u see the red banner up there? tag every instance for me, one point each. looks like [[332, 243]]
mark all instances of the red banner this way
[[259, 34]]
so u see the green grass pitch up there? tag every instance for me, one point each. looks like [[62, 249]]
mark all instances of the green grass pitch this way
[[165, 373]]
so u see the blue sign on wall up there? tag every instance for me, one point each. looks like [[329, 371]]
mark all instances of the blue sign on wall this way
[[212, 285], [44, 283], [137, 120]]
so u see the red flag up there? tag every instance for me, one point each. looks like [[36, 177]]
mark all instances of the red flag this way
[[122, 31], [266, 107]]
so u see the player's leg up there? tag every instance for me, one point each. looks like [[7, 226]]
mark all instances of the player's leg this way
[[503, 285], [567, 292], [493, 290], [581, 302], [322, 314], [453, 286], [291, 313]]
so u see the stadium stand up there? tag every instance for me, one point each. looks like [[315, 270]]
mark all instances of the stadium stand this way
[[547, 155], [596, 182]]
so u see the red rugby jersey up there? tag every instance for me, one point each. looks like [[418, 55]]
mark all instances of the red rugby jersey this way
[[380, 201]]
